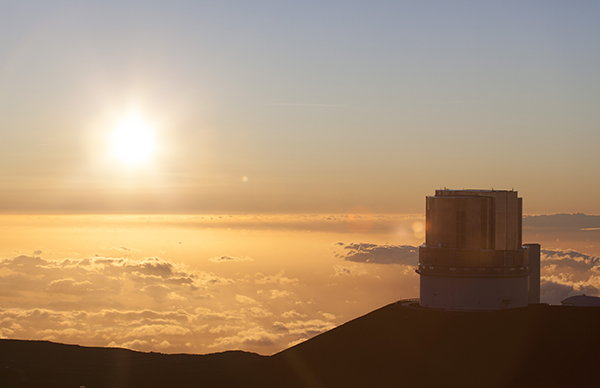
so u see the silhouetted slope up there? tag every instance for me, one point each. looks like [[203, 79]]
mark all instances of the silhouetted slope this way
[[549, 346], [395, 346], [47, 364]]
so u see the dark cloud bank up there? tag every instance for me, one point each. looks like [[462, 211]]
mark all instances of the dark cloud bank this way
[[577, 220], [380, 254]]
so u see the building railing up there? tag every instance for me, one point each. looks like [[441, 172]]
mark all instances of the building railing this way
[[461, 257], [472, 271], [408, 300]]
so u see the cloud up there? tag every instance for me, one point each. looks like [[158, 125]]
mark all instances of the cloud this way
[[159, 279], [158, 330], [338, 223], [296, 342], [99, 301], [354, 270], [256, 312], [119, 328], [176, 296], [329, 317], [229, 259], [570, 258], [165, 345], [256, 336], [245, 299], [135, 345], [271, 279], [125, 249], [70, 286], [554, 291], [380, 254], [293, 314], [224, 328], [279, 294], [305, 329], [576, 220], [568, 273]]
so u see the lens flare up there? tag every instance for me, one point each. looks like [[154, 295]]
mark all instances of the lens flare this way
[[418, 228]]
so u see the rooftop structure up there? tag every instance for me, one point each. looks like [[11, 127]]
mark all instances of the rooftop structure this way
[[473, 257]]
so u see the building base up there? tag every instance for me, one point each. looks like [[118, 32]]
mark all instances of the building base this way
[[473, 293]]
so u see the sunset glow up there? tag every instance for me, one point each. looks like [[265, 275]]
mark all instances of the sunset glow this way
[[196, 177]]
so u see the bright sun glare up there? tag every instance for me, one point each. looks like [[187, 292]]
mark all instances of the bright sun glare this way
[[133, 141]]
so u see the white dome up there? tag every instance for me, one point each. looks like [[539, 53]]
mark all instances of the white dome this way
[[581, 300]]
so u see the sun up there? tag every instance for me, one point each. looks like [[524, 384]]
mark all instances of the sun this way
[[133, 141]]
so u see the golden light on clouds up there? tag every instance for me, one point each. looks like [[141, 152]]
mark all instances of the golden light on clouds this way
[[210, 283], [133, 141], [194, 283]]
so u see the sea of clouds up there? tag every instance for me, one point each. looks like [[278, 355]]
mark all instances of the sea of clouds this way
[[154, 304]]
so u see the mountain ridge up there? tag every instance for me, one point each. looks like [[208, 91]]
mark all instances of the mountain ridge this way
[[399, 344]]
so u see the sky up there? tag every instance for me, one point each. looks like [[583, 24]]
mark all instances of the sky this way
[[297, 107], [200, 176]]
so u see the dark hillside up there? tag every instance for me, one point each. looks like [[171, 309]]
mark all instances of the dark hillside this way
[[47, 364], [549, 346]]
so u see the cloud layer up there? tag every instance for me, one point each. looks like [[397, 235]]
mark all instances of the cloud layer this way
[[147, 304], [229, 259], [577, 220], [567, 273], [150, 303]]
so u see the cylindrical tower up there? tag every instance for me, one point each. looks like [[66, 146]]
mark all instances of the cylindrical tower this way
[[473, 258]]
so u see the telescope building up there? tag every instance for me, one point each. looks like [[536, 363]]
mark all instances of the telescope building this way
[[473, 257]]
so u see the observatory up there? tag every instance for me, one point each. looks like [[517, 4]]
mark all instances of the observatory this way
[[473, 257]]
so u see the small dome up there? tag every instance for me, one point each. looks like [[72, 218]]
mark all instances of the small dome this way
[[581, 300]]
